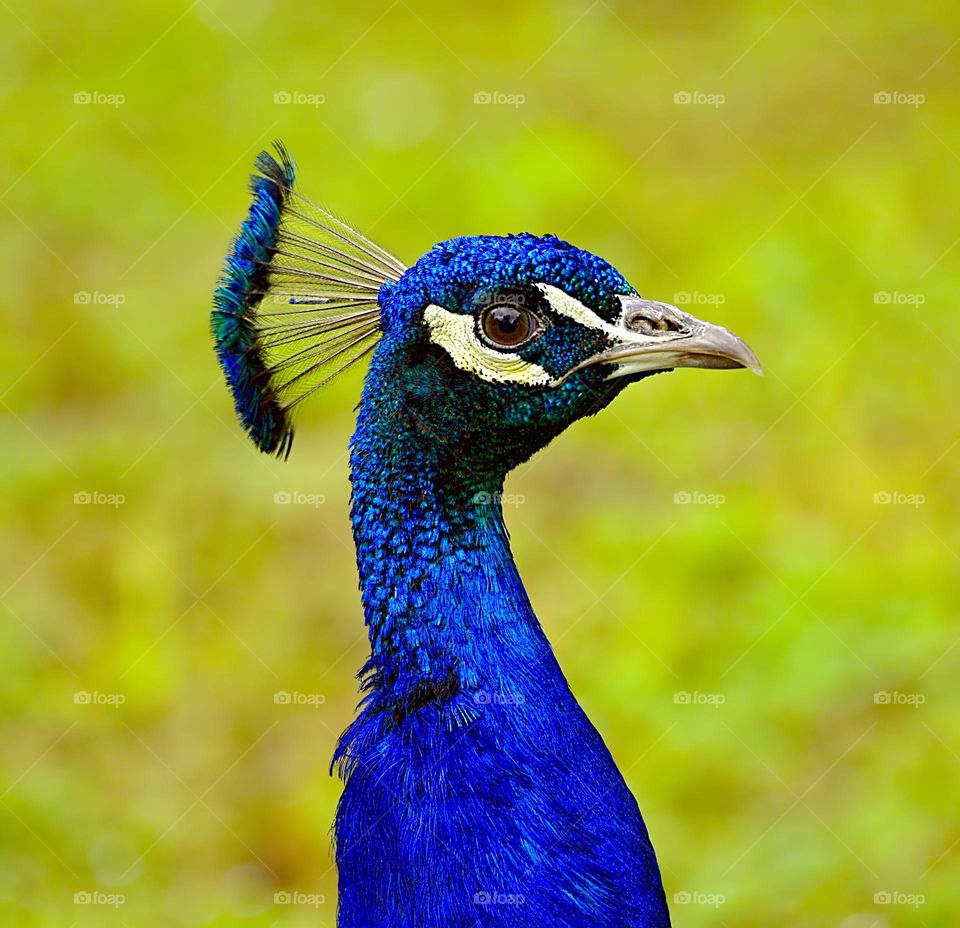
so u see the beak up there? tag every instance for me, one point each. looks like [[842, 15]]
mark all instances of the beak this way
[[652, 336]]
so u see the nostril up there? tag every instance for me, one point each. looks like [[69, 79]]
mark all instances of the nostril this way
[[649, 321]]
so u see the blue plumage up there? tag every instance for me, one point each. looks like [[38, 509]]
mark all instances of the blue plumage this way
[[477, 792]]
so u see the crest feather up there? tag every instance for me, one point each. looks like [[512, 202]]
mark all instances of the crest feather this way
[[296, 304]]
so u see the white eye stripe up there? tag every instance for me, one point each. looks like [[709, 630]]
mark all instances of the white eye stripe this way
[[454, 332], [566, 305]]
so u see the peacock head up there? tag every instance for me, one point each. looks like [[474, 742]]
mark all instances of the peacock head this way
[[498, 343], [488, 346]]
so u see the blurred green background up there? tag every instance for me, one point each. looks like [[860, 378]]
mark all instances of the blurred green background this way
[[752, 584]]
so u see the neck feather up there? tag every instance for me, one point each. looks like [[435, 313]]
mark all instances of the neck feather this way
[[443, 602]]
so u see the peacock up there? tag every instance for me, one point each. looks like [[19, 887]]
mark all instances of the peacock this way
[[476, 791]]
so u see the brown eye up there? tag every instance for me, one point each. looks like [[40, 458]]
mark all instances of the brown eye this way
[[507, 326]]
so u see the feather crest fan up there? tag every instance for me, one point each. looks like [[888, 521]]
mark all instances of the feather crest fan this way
[[296, 303]]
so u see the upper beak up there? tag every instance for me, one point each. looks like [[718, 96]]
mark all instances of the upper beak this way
[[652, 336]]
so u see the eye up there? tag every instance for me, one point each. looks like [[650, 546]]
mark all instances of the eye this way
[[507, 326]]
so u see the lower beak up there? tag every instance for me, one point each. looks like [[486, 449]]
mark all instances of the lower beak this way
[[654, 336]]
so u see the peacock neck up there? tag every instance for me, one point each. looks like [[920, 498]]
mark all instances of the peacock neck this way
[[443, 602], [470, 769]]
